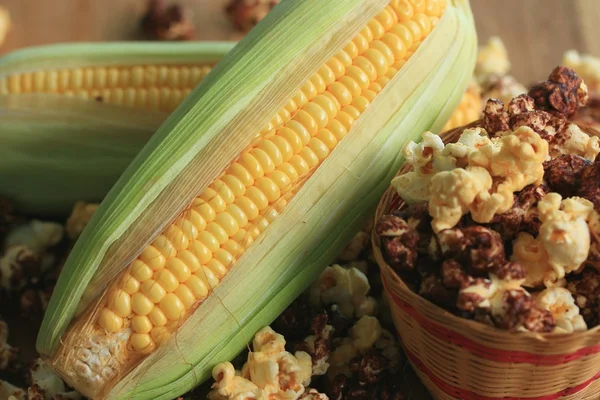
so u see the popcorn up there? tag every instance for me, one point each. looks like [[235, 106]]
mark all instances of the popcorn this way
[[319, 345], [46, 385], [399, 242], [586, 291], [503, 88], [16, 266], [586, 66], [11, 392], [348, 288], [357, 245], [363, 335], [7, 353], [531, 253], [37, 235], [492, 59], [430, 157], [561, 304], [563, 173], [565, 233], [453, 194], [270, 372], [79, 218], [515, 310], [573, 140], [230, 385]]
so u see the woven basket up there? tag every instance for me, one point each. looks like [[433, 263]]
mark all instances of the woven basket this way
[[462, 359]]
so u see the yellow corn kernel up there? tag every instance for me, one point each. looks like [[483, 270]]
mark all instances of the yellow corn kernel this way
[[172, 307], [110, 321], [141, 271], [166, 279], [142, 342], [153, 290], [120, 302], [141, 304], [141, 324]]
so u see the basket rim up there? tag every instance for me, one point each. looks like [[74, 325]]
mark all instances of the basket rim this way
[[415, 298]]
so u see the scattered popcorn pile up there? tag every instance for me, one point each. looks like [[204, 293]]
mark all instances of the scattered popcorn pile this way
[[334, 342], [503, 225]]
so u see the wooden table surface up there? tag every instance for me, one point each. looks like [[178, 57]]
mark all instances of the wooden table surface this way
[[536, 32]]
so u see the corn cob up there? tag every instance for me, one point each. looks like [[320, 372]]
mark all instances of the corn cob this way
[[52, 143], [212, 230], [150, 76]]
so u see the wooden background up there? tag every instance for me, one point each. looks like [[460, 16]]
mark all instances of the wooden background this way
[[536, 32]]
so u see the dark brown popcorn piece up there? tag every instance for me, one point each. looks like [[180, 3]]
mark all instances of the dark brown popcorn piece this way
[[453, 274], [521, 311], [295, 321], [477, 248], [399, 242], [586, 292], [433, 289], [561, 93], [523, 216], [510, 271], [371, 367], [168, 23], [323, 342], [495, 119], [471, 300], [590, 184], [563, 174], [245, 14]]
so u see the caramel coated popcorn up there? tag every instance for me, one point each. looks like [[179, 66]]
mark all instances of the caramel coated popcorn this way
[[270, 372], [513, 214]]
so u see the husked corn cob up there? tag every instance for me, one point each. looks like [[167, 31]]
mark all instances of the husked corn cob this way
[[153, 77], [186, 242], [54, 144]]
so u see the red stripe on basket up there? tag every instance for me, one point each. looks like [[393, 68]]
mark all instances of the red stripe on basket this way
[[468, 395], [498, 355]]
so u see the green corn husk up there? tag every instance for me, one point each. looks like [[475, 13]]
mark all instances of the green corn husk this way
[[57, 150], [213, 125]]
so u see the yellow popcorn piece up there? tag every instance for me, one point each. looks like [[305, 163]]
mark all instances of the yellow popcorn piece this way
[[429, 157], [517, 159], [586, 66], [363, 335], [230, 386], [453, 193], [563, 242], [532, 255], [559, 301], [37, 235], [492, 59], [79, 218], [346, 287], [564, 232], [270, 372], [575, 141]]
